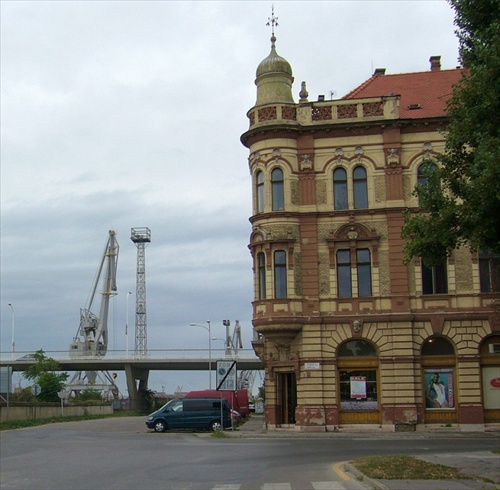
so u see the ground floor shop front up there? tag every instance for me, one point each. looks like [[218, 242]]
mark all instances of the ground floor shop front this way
[[324, 378]]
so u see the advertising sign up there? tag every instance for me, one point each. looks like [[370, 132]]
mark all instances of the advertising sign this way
[[491, 387], [358, 387], [439, 388]]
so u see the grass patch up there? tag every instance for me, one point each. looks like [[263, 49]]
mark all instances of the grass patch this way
[[21, 424], [219, 434], [401, 467], [496, 451]]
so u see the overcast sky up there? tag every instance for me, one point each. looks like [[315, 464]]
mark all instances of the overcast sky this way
[[121, 114]]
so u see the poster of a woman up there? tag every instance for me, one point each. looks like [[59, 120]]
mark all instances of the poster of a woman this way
[[439, 388]]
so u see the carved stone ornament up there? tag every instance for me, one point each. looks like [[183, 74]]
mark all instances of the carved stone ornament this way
[[276, 154], [306, 162], [392, 157], [358, 151], [303, 94], [357, 326]]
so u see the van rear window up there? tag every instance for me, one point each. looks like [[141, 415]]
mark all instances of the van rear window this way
[[192, 405]]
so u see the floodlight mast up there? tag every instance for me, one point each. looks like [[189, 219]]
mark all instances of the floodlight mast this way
[[141, 237]]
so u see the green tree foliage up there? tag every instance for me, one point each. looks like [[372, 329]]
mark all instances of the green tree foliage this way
[[461, 201], [88, 395], [44, 374]]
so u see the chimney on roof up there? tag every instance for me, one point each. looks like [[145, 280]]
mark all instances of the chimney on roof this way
[[435, 63], [379, 71]]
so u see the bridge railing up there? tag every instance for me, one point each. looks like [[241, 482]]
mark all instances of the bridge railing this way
[[122, 354]]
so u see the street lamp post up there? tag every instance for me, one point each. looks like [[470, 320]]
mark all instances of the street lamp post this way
[[126, 327], [209, 350], [13, 323]]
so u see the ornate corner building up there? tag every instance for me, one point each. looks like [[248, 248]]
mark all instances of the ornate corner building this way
[[349, 334]]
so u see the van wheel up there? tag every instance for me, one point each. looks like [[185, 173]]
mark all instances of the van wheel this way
[[215, 425], [160, 426]]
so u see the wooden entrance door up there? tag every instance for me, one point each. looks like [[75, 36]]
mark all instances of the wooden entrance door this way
[[287, 398]]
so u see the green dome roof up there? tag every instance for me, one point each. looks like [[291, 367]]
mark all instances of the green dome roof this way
[[274, 63]]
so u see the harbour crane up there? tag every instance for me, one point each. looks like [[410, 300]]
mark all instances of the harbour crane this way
[[91, 338]]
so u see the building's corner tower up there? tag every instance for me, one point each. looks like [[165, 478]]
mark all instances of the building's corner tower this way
[[274, 142]]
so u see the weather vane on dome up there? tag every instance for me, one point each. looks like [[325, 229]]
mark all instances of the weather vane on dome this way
[[272, 21]]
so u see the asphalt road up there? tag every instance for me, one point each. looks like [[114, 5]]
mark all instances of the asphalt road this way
[[121, 453]]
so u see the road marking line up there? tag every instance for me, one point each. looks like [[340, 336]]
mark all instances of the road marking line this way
[[344, 476], [327, 485]]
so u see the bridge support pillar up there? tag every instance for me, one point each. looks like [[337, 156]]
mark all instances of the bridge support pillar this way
[[136, 391]]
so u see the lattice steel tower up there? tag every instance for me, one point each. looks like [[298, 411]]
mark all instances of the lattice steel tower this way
[[141, 237]]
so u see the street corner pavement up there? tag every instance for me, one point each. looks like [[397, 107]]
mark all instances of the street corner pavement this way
[[483, 468]]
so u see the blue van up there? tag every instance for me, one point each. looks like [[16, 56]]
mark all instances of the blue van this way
[[191, 413]]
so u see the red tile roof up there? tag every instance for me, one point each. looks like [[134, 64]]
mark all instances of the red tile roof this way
[[427, 90]]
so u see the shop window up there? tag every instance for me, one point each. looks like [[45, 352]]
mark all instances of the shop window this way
[[489, 271], [360, 188], [277, 186], [340, 189], [260, 191], [438, 356], [280, 289], [434, 279], [261, 274]]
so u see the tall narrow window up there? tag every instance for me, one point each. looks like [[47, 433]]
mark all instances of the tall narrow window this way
[[489, 271], [434, 280], [280, 274], [260, 191], [261, 274], [363, 264], [423, 172], [340, 189], [344, 282], [360, 188], [278, 189]]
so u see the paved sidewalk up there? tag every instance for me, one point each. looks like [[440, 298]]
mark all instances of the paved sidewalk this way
[[479, 464]]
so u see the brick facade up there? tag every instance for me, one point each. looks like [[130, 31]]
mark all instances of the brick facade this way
[[387, 314]]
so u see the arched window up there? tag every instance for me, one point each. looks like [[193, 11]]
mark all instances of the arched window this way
[[360, 188], [357, 373], [261, 274], [259, 180], [278, 189], [280, 290], [340, 189], [423, 171], [357, 348], [438, 360]]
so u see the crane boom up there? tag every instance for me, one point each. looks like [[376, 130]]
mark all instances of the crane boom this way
[[92, 335]]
